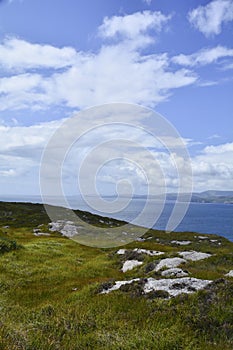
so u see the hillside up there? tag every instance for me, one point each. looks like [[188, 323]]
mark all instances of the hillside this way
[[162, 291], [205, 197]]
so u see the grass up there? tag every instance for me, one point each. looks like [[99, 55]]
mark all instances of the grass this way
[[49, 293]]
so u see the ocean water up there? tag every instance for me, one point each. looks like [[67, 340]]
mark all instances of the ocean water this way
[[209, 218]]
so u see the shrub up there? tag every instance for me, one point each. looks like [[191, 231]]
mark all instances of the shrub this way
[[7, 245]]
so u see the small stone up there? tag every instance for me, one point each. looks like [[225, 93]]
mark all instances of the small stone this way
[[117, 285], [169, 263], [229, 274], [181, 242], [174, 272], [130, 264], [139, 239], [148, 252], [176, 286], [121, 251], [194, 256]]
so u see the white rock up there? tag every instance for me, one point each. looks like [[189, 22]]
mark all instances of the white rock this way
[[169, 263], [121, 251], [36, 230], [141, 251], [202, 237], [214, 240], [174, 272], [173, 286], [229, 274], [181, 242], [67, 228], [41, 234], [56, 226], [148, 252], [176, 286], [130, 264], [139, 239], [118, 284], [194, 256]]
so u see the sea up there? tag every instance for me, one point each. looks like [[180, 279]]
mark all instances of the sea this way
[[211, 218]]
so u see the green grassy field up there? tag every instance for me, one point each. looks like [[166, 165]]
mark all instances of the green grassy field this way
[[49, 292]]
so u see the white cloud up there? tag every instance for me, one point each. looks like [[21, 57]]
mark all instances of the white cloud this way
[[207, 83], [204, 57], [10, 172], [21, 91], [118, 72], [41, 76], [19, 82], [21, 148], [210, 18], [214, 136], [148, 2], [213, 168], [220, 149], [18, 54], [134, 25]]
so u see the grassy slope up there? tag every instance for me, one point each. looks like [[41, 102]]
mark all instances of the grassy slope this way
[[49, 299]]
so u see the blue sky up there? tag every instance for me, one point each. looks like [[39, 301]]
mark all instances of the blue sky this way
[[57, 58]]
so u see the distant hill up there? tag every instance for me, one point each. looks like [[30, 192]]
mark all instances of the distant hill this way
[[211, 196]]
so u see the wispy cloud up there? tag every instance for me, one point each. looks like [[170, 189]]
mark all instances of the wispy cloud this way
[[204, 57], [214, 136], [210, 18], [148, 2]]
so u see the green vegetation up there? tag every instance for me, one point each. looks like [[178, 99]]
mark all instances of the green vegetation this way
[[6, 245], [49, 292]]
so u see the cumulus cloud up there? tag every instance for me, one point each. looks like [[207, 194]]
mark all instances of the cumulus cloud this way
[[22, 146], [19, 140], [123, 150], [118, 75], [22, 91], [39, 76], [204, 57], [213, 168], [18, 54], [210, 18], [134, 25]]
